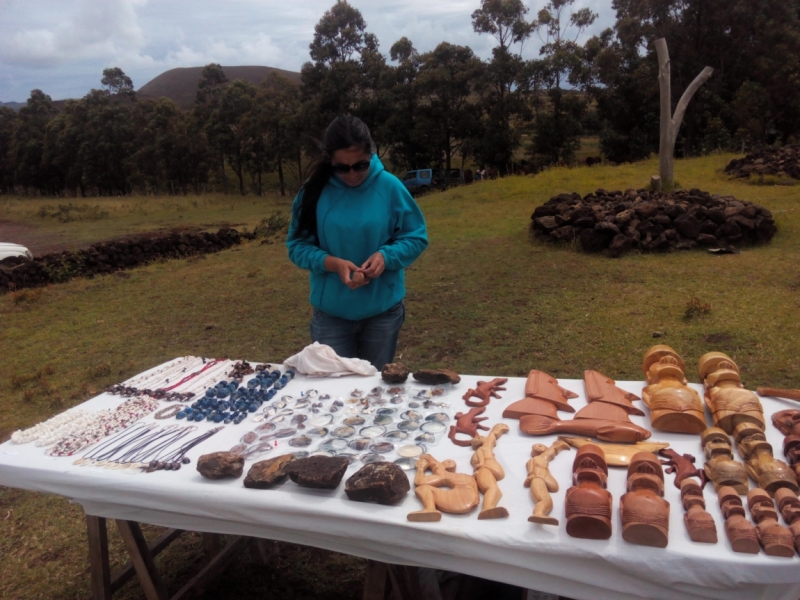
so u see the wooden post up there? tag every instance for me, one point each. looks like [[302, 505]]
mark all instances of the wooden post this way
[[98, 557], [670, 124]]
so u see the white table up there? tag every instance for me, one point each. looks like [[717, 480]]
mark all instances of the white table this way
[[511, 550]]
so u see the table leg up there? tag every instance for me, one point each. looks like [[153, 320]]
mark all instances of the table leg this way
[[405, 582], [142, 559], [375, 580], [212, 543], [98, 557]]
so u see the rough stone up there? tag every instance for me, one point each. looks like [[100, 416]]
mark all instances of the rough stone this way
[[219, 465], [395, 373], [565, 233], [381, 482], [619, 245], [321, 472], [593, 240], [688, 226], [704, 239], [646, 210], [436, 376], [266, 473]]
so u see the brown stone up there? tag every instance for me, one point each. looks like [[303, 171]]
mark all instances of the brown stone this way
[[266, 473], [381, 482], [436, 376], [395, 373], [322, 472], [219, 465]]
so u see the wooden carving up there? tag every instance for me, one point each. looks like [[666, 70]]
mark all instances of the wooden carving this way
[[600, 388], [540, 387], [467, 423], [541, 481], [618, 455], [610, 431], [776, 539], [691, 480], [787, 421], [588, 503], [770, 473], [488, 472], [644, 512], [674, 406], [791, 450], [460, 497], [789, 505], [485, 391], [741, 533], [726, 398], [720, 467], [779, 393]]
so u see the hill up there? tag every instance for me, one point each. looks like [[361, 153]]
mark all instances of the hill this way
[[180, 85], [13, 105]]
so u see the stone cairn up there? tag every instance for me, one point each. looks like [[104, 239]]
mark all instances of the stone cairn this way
[[618, 222], [107, 257], [782, 162]]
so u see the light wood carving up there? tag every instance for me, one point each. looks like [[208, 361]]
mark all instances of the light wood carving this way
[[488, 472], [720, 467], [541, 481], [776, 539], [644, 512], [618, 455], [588, 503], [741, 533], [674, 406], [789, 505], [485, 391], [460, 497], [759, 462], [698, 522], [779, 393], [726, 398], [540, 387], [600, 388]]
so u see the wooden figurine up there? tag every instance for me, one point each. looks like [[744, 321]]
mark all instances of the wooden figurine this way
[[691, 480], [461, 497], [610, 431], [787, 421], [485, 391], [791, 450], [588, 503], [541, 481], [698, 522], [618, 455], [720, 467], [467, 423], [600, 388], [789, 505], [726, 398], [779, 393], [644, 512], [741, 533], [770, 473], [776, 539], [540, 387], [488, 472], [674, 406]]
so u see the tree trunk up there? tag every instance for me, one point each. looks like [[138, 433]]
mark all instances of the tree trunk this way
[[280, 174], [670, 124]]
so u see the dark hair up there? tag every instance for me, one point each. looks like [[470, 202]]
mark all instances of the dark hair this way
[[345, 131]]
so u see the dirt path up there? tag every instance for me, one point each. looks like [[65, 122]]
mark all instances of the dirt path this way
[[38, 242]]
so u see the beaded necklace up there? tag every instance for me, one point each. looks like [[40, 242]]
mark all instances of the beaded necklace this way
[[157, 376], [173, 462], [127, 436]]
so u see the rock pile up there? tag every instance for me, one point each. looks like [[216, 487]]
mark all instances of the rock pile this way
[[651, 221], [108, 257], [783, 162]]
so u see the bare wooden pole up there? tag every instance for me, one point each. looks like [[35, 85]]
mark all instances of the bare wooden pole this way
[[671, 124]]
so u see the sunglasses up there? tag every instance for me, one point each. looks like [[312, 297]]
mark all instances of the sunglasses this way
[[358, 167]]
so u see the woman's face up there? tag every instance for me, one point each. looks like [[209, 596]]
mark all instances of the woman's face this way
[[351, 156]]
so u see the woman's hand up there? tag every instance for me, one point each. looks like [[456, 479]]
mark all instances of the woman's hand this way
[[345, 269], [373, 266]]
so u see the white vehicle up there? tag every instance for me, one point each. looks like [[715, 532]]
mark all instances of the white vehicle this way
[[8, 250]]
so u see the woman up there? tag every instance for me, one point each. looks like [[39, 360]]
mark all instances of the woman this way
[[356, 228]]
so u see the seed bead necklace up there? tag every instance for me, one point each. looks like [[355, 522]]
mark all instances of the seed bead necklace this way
[[125, 437], [174, 461], [156, 376]]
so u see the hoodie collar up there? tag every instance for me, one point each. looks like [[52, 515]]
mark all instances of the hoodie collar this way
[[375, 167]]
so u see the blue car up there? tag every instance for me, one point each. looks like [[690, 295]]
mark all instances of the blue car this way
[[424, 180]]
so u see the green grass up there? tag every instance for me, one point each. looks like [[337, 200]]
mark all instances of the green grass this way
[[483, 299]]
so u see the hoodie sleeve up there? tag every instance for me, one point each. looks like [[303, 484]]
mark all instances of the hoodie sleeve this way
[[410, 236], [303, 251]]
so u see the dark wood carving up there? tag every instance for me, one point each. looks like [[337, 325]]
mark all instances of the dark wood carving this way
[[720, 467], [467, 423], [741, 533], [485, 391], [789, 505], [776, 539], [588, 503], [540, 387], [644, 512], [691, 480]]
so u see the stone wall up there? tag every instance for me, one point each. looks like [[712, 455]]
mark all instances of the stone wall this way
[[781, 162]]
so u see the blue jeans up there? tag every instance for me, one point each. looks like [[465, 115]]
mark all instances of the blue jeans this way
[[373, 339]]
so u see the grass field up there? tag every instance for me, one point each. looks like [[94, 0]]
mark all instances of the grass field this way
[[483, 299]]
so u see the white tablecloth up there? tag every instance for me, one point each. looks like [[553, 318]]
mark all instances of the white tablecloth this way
[[512, 550]]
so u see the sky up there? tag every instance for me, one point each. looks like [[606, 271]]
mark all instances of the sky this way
[[62, 46]]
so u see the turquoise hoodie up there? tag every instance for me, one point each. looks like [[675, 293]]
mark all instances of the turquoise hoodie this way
[[353, 223]]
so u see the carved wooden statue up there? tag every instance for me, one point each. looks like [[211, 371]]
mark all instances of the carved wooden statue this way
[[540, 387], [485, 391], [541, 481], [604, 417], [720, 467], [726, 398], [691, 480], [644, 512], [791, 450], [588, 503], [770, 473], [488, 472], [467, 423], [618, 455], [789, 505], [741, 533], [776, 539], [787, 421], [674, 406], [460, 497]]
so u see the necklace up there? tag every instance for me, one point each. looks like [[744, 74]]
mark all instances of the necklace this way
[[132, 434], [173, 462], [156, 375], [169, 412]]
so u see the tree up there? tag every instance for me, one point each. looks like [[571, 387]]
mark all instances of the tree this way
[[28, 143], [117, 83], [280, 100], [209, 89], [8, 123]]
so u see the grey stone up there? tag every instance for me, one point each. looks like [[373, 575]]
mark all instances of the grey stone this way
[[381, 482]]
